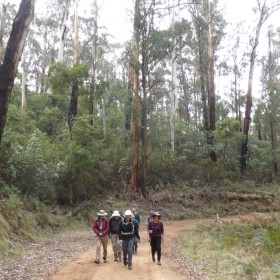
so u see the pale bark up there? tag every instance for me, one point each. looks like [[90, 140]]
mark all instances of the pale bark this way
[[93, 64], [63, 31], [13, 55]]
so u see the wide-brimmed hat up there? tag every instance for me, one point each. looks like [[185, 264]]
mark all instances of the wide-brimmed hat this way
[[102, 213], [156, 214], [116, 214], [127, 213]]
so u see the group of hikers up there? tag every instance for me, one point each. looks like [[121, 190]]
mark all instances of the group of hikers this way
[[123, 230]]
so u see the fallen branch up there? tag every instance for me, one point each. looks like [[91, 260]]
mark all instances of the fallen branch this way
[[27, 243], [12, 245]]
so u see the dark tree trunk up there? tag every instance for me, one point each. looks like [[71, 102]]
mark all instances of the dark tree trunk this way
[[72, 114], [13, 55]]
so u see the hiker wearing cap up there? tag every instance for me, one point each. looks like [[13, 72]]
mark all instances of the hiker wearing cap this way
[[126, 234], [156, 233], [135, 241], [114, 224], [101, 227]]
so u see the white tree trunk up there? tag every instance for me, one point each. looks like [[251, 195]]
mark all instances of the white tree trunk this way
[[76, 34], [63, 30]]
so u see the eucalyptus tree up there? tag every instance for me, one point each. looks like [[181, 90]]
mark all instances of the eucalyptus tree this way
[[136, 103], [263, 11], [266, 117], [208, 25], [8, 69], [63, 29], [73, 106]]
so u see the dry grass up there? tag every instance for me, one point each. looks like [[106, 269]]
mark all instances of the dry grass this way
[[236, 250]]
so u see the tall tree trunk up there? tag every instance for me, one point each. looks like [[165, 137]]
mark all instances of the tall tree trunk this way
[[63, 31], [210, 83], [144, 119], [249, 102], [136, 101], [13, 55], [198, 29], [93, 65], [129, 98], [73, 108]]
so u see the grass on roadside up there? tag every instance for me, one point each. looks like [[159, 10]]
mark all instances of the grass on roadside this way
[[248, 249]]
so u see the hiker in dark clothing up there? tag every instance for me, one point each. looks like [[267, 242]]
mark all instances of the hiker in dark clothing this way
[[115, 223], [136, 215], [135, 243], [156, 233], [127, 233]]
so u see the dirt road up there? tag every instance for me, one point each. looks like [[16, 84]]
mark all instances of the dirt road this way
[[84, 268]]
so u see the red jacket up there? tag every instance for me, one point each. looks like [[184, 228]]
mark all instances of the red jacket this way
[[100, 225]]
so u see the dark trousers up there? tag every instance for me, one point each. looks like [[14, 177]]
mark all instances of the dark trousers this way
[[127, 246], [156, 246]]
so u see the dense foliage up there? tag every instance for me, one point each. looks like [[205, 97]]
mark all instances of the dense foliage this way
[[38, 159]]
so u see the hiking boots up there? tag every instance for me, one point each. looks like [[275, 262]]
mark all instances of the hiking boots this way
[[124, 262], [130, 267], [97, 261], [154, 259], [159, 263]]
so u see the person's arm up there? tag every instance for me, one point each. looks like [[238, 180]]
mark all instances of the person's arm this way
[[107, 227], [94, 227], [120, 230], [136, 231]]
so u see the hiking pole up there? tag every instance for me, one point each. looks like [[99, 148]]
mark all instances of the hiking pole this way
[[149, 248], [162, 239]]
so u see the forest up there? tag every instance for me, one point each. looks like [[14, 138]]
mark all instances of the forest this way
[[81, 114]]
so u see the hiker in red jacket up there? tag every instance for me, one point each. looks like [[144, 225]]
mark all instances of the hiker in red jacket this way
[[156, 233], [101, 227]]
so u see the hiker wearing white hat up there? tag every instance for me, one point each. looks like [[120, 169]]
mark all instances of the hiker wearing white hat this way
[[114, 223], [101, 227], [127, 233]]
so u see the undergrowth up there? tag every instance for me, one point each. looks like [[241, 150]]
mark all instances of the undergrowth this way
[[247, 249]]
